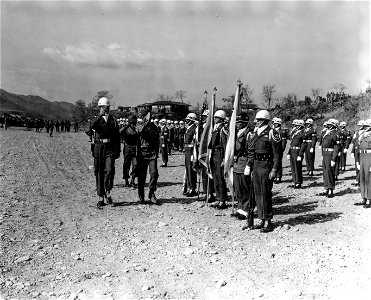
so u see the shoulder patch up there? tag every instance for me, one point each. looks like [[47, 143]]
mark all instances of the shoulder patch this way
[[275, 135]]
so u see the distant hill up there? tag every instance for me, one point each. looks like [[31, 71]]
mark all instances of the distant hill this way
[[34, 106]]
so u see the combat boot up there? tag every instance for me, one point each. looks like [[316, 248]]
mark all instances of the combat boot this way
[[363, 202], [152, 198], [268, 227]]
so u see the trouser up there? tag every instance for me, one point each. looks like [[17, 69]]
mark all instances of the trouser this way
[[279, 169], [343, 159], [181, 144], [104, 169], [310, 157], [130, 160], [176, 144], [337, 163], [241, 187], [296, 167], [142, 165], [191, 175], [365, 175], [263, 189], [328, 171], [205, 178], [218, 175], [164, 154]]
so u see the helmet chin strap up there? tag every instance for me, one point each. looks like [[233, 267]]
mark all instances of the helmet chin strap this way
[[260, 123]]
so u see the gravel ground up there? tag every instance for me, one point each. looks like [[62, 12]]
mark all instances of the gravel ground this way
[[56, 245]]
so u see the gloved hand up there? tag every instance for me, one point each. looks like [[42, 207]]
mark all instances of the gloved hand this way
[[163, 145], [247, 171], [358, 166], [319, 147], [352, 155], [332, 163], [288, 156], [345, 150], [298, 158], [273, 174], [311, 150]]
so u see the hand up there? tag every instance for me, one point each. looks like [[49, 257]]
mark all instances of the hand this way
[[358, 166], [345, 150], [352, 155], [332, 163], [298, 158], [288, 157], [319, 147], [247, 171], [311, 150], [272, 174]]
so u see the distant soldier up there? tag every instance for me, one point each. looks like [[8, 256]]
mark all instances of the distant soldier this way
[[264, 159], [364, 165], [76, 126], [296, 153], [217, 145], [330, 149], [277, 123], [147, 157], [345, 140], [189, 142], [176, 135], [62, 126], [130, 139], [182, 131], [311, 141], [57, 126], [242, 181], [106, 149], [51, 128], [164, 142], [355, 148], [171, 136], [47, 126]]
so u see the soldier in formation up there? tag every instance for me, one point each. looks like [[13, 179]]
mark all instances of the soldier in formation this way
[[311, 141], [189, 144], [164, 142]]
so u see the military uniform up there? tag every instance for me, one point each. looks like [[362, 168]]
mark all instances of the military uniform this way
[[284, 134], [355, 151], [264, 156], [330, 149], [182, 131], [130, 140], [176, 138], [365, 166], [164, 144], [345, 140], [217, 145], [297, 149], [311, 141], [147, 154], [191, 175], [105, 150]]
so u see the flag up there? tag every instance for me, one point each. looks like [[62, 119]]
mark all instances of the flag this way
[[204, 152], [229, 150]]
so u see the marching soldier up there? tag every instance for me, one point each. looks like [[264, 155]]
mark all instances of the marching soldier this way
[[296, 153], [217, 145], [345, 140], [310, 140], [130, 139], [355, 148], [277, 123], [330, 149], [164, 141], [264, 159], [105, 150], [241, 181], [189, 142], [147, 154], [364, 165]]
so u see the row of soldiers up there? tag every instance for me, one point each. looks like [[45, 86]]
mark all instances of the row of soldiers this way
[[257, 164]]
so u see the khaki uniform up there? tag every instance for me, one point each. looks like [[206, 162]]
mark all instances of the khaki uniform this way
[[365, 165], [330, 149]]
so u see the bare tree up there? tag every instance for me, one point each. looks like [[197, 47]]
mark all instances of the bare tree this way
[[268, 91], [180, 95], [246, 94], [316, 92], [161, 97], [339, 87]]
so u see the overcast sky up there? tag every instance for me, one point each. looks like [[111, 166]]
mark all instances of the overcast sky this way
[[65, 51]]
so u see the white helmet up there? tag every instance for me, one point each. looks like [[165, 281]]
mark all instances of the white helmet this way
[[206, 112], [277, 120], [309, 121], [300, 122], [191, 116], [367, 123], [220, 114], [162, 121], [103, 102], [156, 120], [176, 122], [361, 123], [168, 121], [332, 122], [263, 114], [181, 122], [342, 124]]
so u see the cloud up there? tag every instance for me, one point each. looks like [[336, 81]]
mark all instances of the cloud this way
[[110, 56]]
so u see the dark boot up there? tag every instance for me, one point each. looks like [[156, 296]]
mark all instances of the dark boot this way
[[152, 198], [268, 227], [363, 202]]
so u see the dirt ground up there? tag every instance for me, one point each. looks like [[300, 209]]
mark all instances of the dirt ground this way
[[56, 245]]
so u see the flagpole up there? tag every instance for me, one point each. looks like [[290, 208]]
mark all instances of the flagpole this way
[[198, 137]]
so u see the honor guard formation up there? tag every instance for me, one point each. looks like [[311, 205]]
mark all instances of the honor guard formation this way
[[207, 140]]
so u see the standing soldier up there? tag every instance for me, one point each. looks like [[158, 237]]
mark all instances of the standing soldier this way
[[346, 139], [355, 152], [176, 135], [182, 131], [189, 141], [264, 158], [62, 126], [340, 150], [310, 140], [296, 153], [57, 126], [164, 142], [51, 127], [217, 145], [130, 139], [364, 165], [171, 136], [106, 149], [241, 181], [277, 123], [330, 149], [147, 154]]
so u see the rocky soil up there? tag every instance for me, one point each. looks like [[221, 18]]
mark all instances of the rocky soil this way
[[56, 245]]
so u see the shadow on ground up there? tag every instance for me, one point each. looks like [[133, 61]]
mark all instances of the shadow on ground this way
[[295, 209], [310, 219]]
